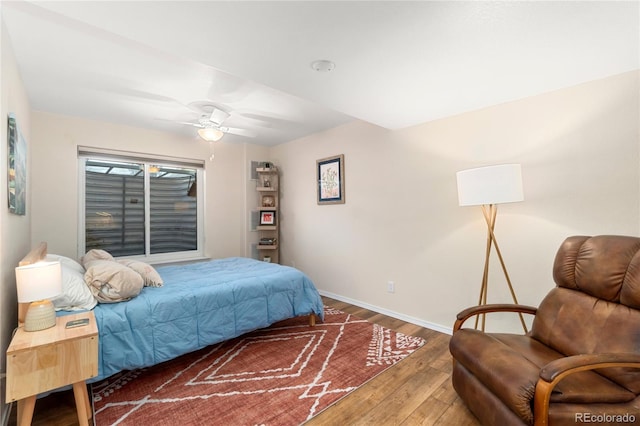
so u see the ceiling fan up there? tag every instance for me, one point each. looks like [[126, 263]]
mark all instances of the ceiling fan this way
[[210, 126]]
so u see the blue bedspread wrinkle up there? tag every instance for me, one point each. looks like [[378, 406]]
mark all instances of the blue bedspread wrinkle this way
[[200, 304]]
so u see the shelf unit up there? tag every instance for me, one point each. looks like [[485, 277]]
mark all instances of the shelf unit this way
[[268, 190]]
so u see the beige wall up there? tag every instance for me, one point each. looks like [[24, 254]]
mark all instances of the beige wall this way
[[14, 230], [55, 178], [579, 150]]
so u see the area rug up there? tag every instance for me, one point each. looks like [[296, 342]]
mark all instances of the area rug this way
[[281, 375]]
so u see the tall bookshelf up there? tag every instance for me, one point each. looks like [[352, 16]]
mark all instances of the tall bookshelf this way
[[268, 190]]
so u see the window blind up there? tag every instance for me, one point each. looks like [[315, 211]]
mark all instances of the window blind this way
[[115, 208]]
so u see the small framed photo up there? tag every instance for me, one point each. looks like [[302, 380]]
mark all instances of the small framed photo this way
[[267, 217], [330, 173], [268, 201]]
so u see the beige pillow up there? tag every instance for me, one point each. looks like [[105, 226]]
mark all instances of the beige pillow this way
[[111, 281], [95, 254], [149, 275]]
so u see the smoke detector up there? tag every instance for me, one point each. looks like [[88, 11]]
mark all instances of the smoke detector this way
[[323, 65]]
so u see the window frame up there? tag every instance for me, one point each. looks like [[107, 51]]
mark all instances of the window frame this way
[[85, 154]]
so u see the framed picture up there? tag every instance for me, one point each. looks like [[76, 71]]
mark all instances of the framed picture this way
[[268, 201], [331, 180], [17, 168], [267, 217]]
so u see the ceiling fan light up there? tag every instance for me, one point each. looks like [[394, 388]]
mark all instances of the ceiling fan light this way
[[210, 134]]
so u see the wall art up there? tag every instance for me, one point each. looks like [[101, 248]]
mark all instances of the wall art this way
[[17, 168], [330, 173]]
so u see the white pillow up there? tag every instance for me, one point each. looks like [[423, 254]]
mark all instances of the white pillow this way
[[75, 292], [65, 261]]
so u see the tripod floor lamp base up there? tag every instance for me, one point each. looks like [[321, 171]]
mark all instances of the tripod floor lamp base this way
[[490, 212]]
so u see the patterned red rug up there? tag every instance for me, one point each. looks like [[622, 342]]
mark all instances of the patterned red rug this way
[[281, 375]]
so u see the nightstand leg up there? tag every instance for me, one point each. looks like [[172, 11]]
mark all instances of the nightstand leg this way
[[82, 403], [25, 410]]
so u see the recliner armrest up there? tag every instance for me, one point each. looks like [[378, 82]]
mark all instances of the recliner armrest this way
[[572, 364], [558, 369], [485, 309]]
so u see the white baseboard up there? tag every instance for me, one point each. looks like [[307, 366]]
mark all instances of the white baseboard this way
[[407, 318]]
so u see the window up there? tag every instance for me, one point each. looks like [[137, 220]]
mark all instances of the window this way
[[143, 208]]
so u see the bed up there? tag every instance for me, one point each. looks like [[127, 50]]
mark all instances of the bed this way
[[198, 304]]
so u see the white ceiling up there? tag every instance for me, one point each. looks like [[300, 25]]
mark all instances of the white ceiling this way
[[398, 64]]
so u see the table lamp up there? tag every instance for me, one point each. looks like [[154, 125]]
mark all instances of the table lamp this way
[[36, 283], [487, 187]]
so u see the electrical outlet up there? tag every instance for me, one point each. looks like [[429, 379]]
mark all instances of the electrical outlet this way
[[391, 287]]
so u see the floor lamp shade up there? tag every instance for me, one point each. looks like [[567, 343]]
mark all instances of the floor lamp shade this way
[[37, 283], [490, 185]]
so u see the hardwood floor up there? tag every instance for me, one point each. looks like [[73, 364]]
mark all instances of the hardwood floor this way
[[416, 391]]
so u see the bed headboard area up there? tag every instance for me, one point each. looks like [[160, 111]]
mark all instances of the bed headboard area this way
[[35, 255]]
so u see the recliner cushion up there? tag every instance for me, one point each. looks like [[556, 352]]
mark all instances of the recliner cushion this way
[[512, 378], [572, 323]]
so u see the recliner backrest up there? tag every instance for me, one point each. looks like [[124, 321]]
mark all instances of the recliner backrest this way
[[595, 307], [606, 267]]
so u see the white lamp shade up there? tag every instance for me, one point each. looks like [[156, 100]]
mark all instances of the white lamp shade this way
[[38, 281], [490, 185], [210, 134]]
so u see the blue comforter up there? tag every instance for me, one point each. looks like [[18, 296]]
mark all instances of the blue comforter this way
[[200, 304]]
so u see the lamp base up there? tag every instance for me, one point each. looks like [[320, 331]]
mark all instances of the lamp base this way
[[40, 316]]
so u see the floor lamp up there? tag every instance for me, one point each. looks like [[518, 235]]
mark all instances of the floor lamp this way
[[487, 187]]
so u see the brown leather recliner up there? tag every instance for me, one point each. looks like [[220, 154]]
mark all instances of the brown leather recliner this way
[[580, 363]]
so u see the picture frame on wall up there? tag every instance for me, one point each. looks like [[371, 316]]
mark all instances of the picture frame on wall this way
[[17, 168], [330, 177], [267, 217]]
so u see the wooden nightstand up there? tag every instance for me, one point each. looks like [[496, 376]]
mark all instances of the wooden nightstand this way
[[40, 361]]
